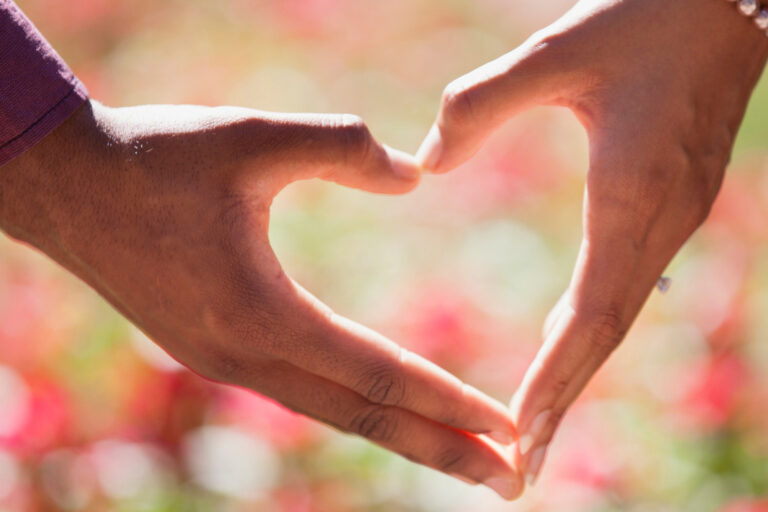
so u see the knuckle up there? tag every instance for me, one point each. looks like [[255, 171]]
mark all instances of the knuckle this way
[[547, 46], [457, 103], [552, 38], [606, 328], [450, 460], [375, 422], [383, 385], [355, 136]]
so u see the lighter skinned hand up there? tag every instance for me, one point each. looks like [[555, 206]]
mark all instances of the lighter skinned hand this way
[[164, 210], [661, 87]]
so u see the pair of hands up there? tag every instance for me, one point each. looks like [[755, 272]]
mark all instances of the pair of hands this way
[[164, 210]]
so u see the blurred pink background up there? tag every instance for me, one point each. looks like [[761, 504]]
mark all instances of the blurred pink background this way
[[94, 417]]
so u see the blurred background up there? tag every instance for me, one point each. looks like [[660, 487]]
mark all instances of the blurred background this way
[[94, 417]]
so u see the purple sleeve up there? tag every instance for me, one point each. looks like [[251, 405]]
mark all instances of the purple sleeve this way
[[37, 89]]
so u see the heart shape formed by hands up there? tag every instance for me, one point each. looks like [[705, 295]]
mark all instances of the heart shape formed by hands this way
[[165, 212]]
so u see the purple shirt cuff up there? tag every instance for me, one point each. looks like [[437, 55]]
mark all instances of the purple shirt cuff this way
[[37, 89]]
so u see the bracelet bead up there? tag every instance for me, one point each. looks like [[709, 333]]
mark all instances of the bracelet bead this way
[[755, 10], [747, 7], [761, 20]]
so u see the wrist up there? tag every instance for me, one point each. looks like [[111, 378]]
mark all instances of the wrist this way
[[40, 187]]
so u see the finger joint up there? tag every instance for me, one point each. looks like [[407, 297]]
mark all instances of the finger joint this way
[[457, 104], [450, 460], [383, 385], [375, 422], [606, 329]]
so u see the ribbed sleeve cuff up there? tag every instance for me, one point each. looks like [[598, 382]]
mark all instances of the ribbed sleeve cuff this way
[[38, 91], [45, 124]]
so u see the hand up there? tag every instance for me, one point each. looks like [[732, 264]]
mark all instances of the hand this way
[[661, 87], [164, 210]]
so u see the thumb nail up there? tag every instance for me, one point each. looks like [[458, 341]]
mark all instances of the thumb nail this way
[[431, 150], [534, 431]]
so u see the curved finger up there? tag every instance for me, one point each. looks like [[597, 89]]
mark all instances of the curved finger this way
[[378, 369], [454, 452]]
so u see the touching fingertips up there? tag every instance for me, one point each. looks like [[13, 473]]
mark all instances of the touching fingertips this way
[[431, 151], [403, 165], [486, 415]]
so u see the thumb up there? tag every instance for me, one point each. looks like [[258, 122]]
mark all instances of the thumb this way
[[476, 104], [339, 148]]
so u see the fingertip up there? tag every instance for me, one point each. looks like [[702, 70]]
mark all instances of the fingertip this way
[[430, 152], [507, 432], [497, 419], [510, 488], [404, 166]]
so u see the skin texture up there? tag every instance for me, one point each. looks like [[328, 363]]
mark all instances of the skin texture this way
[[661, 87], [164, 210]]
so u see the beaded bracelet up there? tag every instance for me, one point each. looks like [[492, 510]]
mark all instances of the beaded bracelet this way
[[753, 9]]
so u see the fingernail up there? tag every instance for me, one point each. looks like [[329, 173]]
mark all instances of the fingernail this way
[[431, 149], [537, 425], [463, 478], [501, 437], [526, 442], [534, 465], [403, 165], [504, 487]]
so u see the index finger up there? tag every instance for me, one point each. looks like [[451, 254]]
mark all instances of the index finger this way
[[345, 352], [611, 282]]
